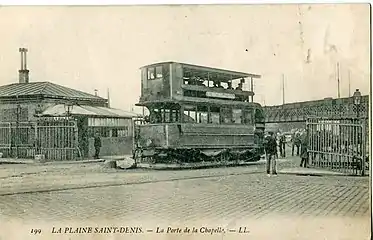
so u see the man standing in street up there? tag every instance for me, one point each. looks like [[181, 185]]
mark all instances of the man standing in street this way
[[295, 139], [97, 145], [282, 141], [271, 152], [304, 149]]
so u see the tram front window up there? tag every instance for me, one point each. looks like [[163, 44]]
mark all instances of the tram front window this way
[[164, 115], [159, 72], [151, 73]]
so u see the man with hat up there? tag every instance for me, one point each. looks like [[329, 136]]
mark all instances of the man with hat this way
[[304, 149], [270, 146]]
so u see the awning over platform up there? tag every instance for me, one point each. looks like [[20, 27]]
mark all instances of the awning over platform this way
[[84, 110]]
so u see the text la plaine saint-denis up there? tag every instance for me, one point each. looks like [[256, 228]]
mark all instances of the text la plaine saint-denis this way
[[136, 230]]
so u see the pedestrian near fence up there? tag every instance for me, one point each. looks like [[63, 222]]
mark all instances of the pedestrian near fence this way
[[271, 153], [97, 145], [304, 149]]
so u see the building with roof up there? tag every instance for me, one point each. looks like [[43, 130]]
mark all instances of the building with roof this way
[[32, 98], [41, 118]]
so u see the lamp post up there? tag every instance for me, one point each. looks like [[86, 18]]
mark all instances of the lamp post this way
[[68, 108]]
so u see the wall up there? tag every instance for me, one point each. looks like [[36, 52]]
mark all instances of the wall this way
[[112, 146], [29, 108]]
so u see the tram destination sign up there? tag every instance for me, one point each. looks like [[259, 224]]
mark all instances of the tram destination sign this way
[[220, 95]]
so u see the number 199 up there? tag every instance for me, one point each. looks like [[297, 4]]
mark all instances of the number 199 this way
[[36, 231]]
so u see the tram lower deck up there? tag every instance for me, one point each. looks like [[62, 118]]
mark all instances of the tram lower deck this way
[[185, 142]]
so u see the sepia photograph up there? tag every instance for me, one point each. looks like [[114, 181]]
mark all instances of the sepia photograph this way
[[208, 121]]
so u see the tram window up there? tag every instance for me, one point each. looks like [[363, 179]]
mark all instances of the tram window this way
[[248, 117], [226, 115], [189, 116], [237, 116], [155, 116], [202, 114], [159, 72], [259, 115], [215, 115], [166, 115], [202, 117], [174, 115], [151, 73]]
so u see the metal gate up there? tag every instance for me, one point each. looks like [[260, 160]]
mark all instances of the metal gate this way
[[56, 139], [340, 145], [5, 139], [17, 139]]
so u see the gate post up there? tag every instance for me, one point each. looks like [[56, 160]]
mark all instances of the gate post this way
[[309, 141], [76, 139], [36, 144], [363, 150]]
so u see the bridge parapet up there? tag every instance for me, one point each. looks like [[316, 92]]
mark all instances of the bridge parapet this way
[[342, 108]]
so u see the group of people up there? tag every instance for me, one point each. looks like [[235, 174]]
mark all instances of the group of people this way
[[216, 83], [274, 142]]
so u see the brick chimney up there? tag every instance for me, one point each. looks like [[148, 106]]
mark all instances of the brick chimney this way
[[23, 72]]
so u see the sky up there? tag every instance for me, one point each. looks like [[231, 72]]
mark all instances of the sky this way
[[103, 47]]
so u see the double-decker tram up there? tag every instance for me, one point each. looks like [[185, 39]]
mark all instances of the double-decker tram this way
[[197, 114]]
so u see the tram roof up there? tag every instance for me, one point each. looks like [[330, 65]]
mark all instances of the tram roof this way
[[204, 71]]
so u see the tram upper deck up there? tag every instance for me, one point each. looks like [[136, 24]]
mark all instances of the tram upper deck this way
[[174, 81]]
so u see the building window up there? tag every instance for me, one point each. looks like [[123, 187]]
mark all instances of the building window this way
[[114, 132], [109, 131], [123, 132]]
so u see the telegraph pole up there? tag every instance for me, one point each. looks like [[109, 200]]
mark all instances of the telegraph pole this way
[[349, 83], [339, 94], [283, 89]]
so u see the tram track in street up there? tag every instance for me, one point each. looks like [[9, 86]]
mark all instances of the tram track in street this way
[[126, 183]]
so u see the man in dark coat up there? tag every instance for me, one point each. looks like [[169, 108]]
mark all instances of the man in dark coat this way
[[282, 142], [97, 145], [270, 146], [304, 150]]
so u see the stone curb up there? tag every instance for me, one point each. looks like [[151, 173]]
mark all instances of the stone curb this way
[[32, 161]]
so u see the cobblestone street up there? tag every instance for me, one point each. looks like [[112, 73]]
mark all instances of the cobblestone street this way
[[218, 197]]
